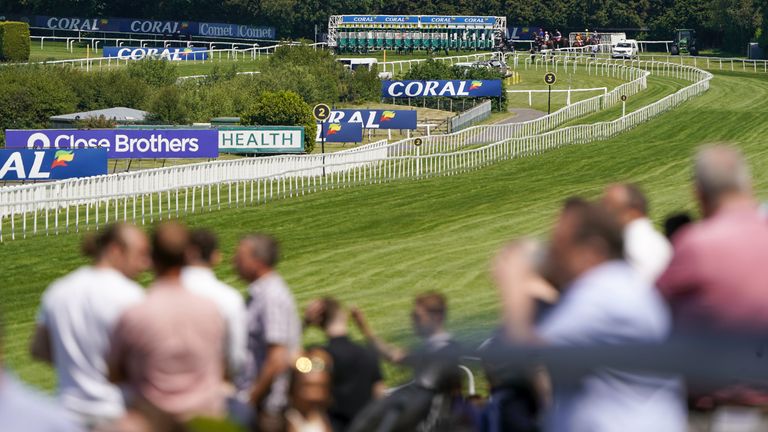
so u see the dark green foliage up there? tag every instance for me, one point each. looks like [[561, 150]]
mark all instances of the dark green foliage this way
[[14, 41], [30, 96], [725, 24], [99, 122], [282, 108], [166, 107], [153, 72]]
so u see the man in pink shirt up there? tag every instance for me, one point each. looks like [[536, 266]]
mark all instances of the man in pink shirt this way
[[718, 276], [169, 349]]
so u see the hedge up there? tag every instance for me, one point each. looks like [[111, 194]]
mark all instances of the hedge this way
[[14, 41]]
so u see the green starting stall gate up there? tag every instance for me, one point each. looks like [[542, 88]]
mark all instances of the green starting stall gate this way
[[405, 33]]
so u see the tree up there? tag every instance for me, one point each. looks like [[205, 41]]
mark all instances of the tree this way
[[282, 108], [166, 107]]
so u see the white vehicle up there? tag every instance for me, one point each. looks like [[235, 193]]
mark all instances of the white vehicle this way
[[358, 63], [626, 49]]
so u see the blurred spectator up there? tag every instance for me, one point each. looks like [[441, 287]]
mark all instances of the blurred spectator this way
[[22, 409], [274, 331], [78, 314], [356, 374], [428, 319], [310, 393], [169, 349], [644, 247], [604, 302], [718, 276], [202, 256], [675, 223], [515, 402]]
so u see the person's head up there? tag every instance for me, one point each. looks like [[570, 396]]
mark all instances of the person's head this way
[[585, 236], [429, 313], [720, 174], [326, 313], [517, 267], [310, 387], [122, 247], [256, 255], [203, 249], [170, 242], [626, 201]]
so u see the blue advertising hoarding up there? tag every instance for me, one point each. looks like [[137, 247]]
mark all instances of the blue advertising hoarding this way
[[143, 26], [484, 21], [122, 143], [51, 164], [379, 19], [376, 119], [341, 132], [523, 33], [173, 54], [455, 20], [441, 88]]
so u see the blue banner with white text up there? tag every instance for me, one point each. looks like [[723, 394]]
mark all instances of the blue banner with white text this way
[[122, 143], [54, 164], [441, 88], [376, 119], [155, 27], [342, 132], [173, 54]]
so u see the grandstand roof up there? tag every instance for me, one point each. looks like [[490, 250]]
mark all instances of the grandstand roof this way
[[118, 114]]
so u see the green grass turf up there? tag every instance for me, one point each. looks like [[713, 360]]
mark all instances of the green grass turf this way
[[377, 246]]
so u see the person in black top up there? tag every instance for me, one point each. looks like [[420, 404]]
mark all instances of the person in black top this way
[[356, 378]]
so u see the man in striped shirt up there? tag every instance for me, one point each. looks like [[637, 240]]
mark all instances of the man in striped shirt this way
[[274, 331]]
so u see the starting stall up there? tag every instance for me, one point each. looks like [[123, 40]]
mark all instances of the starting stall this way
[[408, 33]]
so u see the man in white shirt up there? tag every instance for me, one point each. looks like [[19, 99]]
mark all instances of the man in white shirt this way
[[605, 302], [647, 250], [77, 315], [198, 277]]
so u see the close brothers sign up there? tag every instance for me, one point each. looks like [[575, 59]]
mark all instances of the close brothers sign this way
[[122, 143], [441, 88]]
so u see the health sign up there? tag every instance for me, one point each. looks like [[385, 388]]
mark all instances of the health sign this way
[[262, 139], [341, 132], [51, 164], [376, 119], [441, 88], [122, 143]]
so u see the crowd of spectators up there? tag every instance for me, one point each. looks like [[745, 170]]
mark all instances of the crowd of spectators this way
[[190, 346]]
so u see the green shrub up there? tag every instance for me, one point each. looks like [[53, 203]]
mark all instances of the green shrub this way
[[153, 72], [14, 41], [99, 122], [166, 107], [282, 108], [31, 95]]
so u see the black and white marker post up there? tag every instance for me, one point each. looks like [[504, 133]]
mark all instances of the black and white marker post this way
[[321, 113], [550, 79], [623, 106]]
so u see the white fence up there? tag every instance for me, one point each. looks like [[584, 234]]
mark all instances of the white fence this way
[[471, 116], [143, 196], [567, 91], [233, 54]]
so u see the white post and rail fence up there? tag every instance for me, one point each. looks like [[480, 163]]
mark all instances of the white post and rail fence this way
[[157, 194]]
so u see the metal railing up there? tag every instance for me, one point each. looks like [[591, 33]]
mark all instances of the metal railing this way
[[157, 194], [230, 54]]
